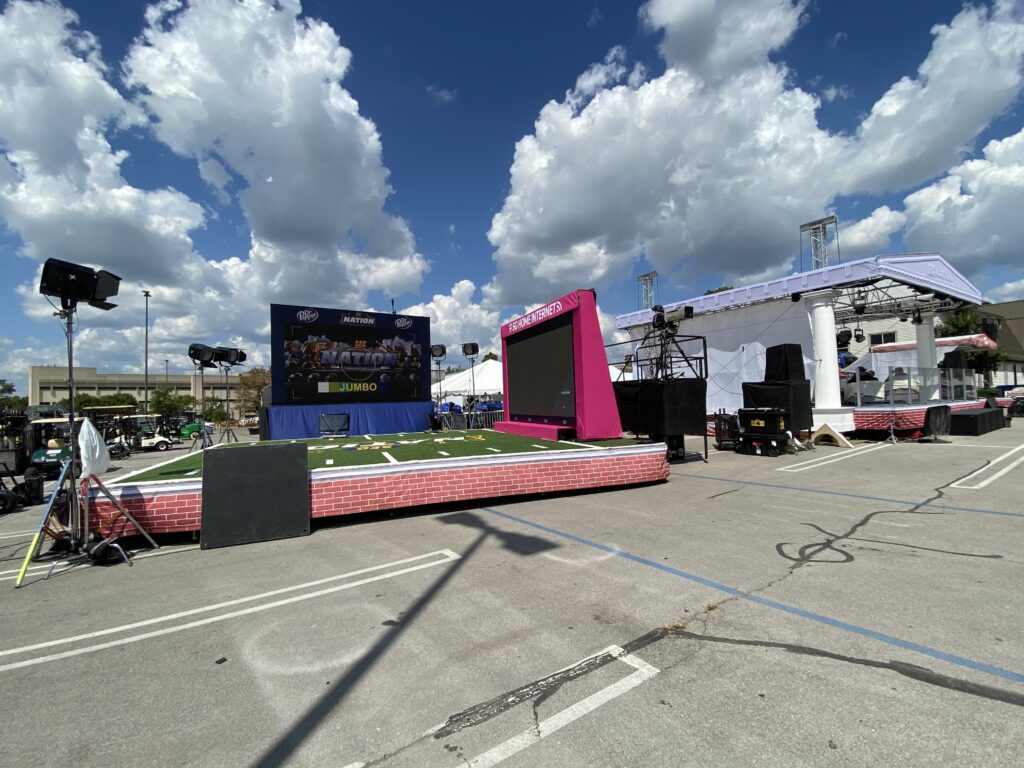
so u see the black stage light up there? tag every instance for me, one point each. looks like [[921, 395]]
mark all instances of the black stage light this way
[[658, 320], [858, 335], [202, 355], [73, 283], [795, 298], [471, 349], [437, 351], [843, 337], [228, 355], [687, 313], [860, 302], [917, 319]]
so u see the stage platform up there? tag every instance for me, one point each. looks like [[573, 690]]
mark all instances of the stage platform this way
[[902, 418], [175, 505]]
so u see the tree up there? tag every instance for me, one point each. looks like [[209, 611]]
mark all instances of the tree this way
[[215, 410], [86, 400], [710, 291], [489, 356], [10, 402], [250, 386], [967, 321], [166, 403]]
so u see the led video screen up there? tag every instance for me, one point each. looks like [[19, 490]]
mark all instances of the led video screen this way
[[541, 375], [343, 356]]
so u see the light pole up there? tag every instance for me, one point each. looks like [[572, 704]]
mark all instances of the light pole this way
[[145, 363]]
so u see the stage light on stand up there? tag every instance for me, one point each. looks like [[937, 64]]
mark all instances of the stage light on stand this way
[[858, 334], [438, 352], [202, 358], [227, 357], [72, 283], [471, 350]]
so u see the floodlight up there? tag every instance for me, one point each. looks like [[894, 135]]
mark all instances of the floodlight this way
[[687, 313], [471, 349], [73, 283], [843, 337], [658, 320], [438, 351], [858, 335], [917, 319], [228, 355], [202, 355], [860, 302]]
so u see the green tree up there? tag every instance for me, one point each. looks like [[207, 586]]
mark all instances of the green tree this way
[[489, 356], [710, 291], [215, 410], [10, 401], [966, 321], [166, 403], [250, 385]]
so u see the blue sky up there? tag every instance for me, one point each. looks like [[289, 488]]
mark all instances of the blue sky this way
[[471, 159]]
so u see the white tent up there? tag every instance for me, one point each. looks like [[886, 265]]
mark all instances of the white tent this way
[[486, 377]]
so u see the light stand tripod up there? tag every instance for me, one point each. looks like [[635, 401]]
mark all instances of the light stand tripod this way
[[79, 527], [203, 441], [227, 434]]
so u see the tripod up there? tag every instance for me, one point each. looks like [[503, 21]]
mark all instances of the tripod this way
[[204, 441], [227, 434]]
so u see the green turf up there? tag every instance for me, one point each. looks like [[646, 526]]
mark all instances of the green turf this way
[[358, 450]]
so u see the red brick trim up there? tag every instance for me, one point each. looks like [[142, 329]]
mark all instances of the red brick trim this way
[[176, 506]]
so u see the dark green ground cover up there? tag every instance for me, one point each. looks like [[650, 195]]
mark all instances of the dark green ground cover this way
[[360, 450]]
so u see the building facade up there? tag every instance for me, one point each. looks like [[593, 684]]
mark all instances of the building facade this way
[[48, 384]]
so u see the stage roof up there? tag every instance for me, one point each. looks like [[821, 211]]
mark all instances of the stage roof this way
[[880, 284]]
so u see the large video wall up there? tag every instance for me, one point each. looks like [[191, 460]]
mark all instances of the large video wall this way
[[323, 355], [541, 375]]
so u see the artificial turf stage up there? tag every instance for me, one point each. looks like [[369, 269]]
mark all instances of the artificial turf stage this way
[[366, 450]]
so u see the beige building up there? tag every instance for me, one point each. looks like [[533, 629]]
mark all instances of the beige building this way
[[48, 384]]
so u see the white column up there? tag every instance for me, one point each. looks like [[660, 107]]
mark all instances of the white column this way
[[826, 353], [927, 358]]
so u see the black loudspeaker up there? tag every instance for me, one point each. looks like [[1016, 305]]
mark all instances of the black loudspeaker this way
[[937, 421], [672, 407], [794, 397], [256, 493], [784, 362]]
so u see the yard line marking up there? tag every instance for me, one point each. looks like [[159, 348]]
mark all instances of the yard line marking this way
[[542, 447], [448, 554], [194, 471], [581, 445], [570, 714], [873, 634], [819, 463], [391, 459], [962, 482], [495, 450], [444, 453]]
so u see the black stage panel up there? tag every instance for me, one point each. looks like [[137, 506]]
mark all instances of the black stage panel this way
[[937, 420], [791, 396], [254, 493], [672, 407], [784, 362], [977, 421]]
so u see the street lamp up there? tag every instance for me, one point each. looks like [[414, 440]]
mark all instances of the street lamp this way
[[145, 363]]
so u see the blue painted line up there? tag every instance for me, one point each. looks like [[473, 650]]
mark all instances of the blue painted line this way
[[906, 502], [952, 658]]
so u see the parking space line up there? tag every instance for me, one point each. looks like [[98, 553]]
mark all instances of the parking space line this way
[[898, 642], [447, 557], [570, 714], [12, 534], [821, 462], [962, 482], [845, 494]]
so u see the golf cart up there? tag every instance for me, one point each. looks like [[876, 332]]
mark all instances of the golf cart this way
[[48, 445]]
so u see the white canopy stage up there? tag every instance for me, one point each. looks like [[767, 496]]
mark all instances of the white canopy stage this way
[[741, 323], [486, 377]]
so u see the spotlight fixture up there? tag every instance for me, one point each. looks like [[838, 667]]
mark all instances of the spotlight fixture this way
[[202, 355], [843, 337], [860, 302], [687, 313], [228, 355], [438, 351], [658, 320], [472, 349], [795, 298], [858, 334], [917, 319], [72, 283]]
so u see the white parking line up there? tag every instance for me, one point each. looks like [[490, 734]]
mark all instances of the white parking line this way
[[962, 482], [815, 463], [12, 534], [559, 720], [163, 551], [448, 556]]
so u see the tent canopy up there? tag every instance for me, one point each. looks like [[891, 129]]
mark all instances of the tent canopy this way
[[485, 377]]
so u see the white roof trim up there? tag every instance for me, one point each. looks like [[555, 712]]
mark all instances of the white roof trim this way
[[920, 270]]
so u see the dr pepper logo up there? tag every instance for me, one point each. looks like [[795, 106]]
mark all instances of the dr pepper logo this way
[[306, 315], [403, 322]]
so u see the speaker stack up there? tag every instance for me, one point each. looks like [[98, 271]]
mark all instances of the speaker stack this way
[[785, 387]]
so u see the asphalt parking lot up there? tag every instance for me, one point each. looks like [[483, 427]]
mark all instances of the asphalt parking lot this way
[[858, 607]]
